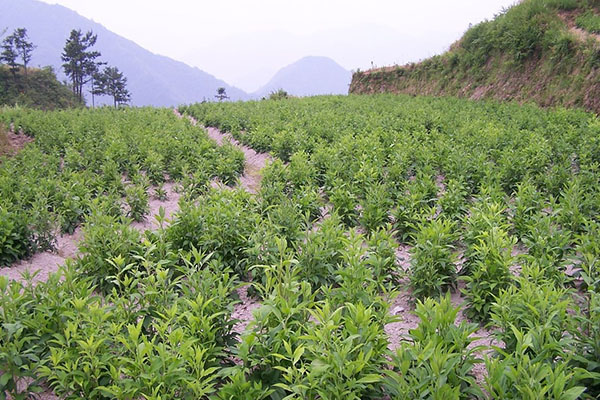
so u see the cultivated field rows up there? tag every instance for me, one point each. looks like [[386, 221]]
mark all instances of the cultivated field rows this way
[[326, 274]]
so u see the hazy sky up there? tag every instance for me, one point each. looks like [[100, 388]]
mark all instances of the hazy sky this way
[[245, 42]]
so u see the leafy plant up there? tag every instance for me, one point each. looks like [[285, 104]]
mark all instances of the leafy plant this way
[[137, 200], [433, 270], [437, 363], [490, 273]]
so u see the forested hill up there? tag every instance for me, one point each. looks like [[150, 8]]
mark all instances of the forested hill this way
[[38, 89], [543, 51]]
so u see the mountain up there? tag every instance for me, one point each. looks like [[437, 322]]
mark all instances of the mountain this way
[[309, 76], [152, 79], [543, 51]]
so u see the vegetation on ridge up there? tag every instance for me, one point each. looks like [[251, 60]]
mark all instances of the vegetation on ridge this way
[[532, 51]]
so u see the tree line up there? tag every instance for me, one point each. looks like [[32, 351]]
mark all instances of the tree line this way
[[81, 64]]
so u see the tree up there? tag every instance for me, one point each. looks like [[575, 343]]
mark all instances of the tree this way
[[221, 94], [9, 54], [80, 62], [96, 88], [112, 82], [23, 47]]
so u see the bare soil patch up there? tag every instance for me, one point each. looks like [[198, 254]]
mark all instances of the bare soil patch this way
[[170, 205], [243, 310], [43, 264], [255, 162], [11, 142]]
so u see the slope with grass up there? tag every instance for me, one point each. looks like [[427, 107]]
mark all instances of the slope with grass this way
[[39, 89], [542, 51]]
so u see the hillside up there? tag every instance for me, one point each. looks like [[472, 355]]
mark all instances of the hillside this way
[[543, 51], [40, 90], [309, 76], [152, 79]]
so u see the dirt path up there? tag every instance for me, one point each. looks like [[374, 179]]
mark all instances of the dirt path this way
[[170, 205], [254, 161], [243, 310], [569, 18], [47, 262]]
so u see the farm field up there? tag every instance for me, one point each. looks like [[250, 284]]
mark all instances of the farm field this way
[[396, 247]]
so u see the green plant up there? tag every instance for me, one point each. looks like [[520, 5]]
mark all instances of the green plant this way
[[375, 208], [490, 273], [588, 253], [221, 224], [589, 21], [160, 193], [521, 376], [109, 245], [15, 237], [528, 204], [433, 270], [453, 200], [538, 309], [437, 363], [344, 204], [547, 242], [484, 215], [136, 197], [381, 257], [320, 253], [341, 356]]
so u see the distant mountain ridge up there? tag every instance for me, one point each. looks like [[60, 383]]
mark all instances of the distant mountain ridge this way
[[309, 76], [153, 80]]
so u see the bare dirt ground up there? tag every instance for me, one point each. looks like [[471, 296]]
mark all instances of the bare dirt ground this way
[[255, 162], [43, 264], [170, 205], [16, 141], [568, 18], [243, 310]]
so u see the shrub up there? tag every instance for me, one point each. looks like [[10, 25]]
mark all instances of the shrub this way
[[453, 200], [437, 363], [221, 223], [483, 216], [109, 245], [136, 197], [320, 253], [15, 237], [381, 257], [490, 273], [432, 270], [375, 207], [535, 308]]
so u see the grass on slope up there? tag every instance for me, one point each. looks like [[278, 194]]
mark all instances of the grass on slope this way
[[527, 53], [40, 89]]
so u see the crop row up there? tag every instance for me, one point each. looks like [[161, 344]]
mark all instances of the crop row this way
[[83, 160], [462, 184]]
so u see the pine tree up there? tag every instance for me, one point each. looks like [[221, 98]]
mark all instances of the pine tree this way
[[9, 54], [23, 47], [112, 82], [80, 62]]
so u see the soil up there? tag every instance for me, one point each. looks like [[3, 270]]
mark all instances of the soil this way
[[243, 310], [569, 18], [255, 162], [13, 142], [43, 264], [170, 205]]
